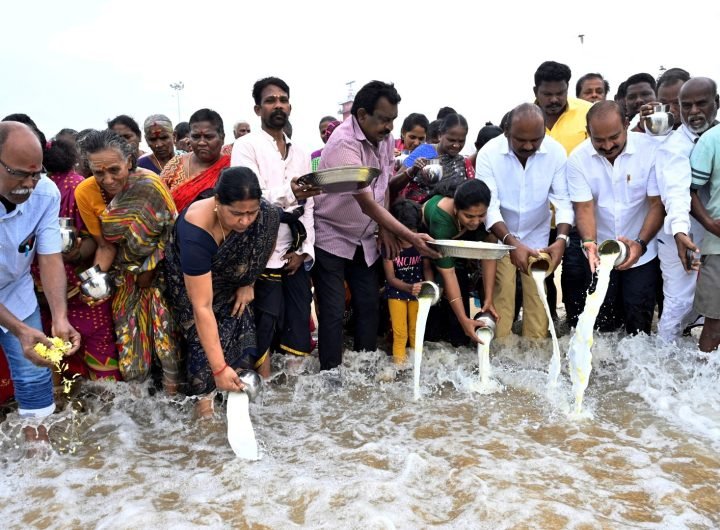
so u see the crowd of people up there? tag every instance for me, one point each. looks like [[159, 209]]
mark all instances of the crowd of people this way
[[216, 251]]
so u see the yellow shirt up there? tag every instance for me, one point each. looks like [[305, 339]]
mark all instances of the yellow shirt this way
[[570, 128]]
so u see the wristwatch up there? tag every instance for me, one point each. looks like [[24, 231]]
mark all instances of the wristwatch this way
[[643, 245], [564, 238]]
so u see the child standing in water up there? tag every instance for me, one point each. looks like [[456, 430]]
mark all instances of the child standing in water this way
[[403, 277]]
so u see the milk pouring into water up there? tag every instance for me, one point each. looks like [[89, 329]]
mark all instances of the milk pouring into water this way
[[485, 385], [241, 434], [424, 304], [554, 368], [581, 342]]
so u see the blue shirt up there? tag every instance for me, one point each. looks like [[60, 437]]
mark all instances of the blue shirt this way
[[32, 227]]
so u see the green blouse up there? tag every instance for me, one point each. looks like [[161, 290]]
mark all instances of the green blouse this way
[[442, 225]]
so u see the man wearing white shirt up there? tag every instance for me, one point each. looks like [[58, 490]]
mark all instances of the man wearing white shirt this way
[[612, 183], [282, 292], [525, 171], [697, 112]]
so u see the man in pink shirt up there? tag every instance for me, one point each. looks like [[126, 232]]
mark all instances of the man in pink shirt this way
[[345, 223]]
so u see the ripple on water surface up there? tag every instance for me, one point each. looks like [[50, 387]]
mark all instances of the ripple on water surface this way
[[352, 449]]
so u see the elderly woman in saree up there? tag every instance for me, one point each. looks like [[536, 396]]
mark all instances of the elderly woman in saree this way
[[219, 247], [417, 181], [130, 214], [159, 137], [190, 174]]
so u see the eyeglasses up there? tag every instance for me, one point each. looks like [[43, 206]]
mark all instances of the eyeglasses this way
[[19, 174]]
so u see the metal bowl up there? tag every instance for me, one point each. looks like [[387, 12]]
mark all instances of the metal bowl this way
[[471, 249], [341, 179], [252, 382]]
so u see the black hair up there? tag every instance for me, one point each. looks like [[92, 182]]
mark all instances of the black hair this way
[[602, 108], [433, 131], [587, 77], [471, 193], [127, 121], [67, 132], [550, 71], [487, 133], [27, 120], [640, 78], [505, 121], [445, 111], [621, 91], [413, 120], [60, 156], [96, 141], [182, 129], [368, 96], [326, 119], [208, 115], [407, 212], [672, 76], [237, 183], [260, 85], [452, 120]]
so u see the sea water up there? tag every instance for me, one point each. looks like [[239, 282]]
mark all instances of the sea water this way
[[580, 352], [364, 454]]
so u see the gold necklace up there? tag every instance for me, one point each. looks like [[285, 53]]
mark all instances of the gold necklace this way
[[217, 214]]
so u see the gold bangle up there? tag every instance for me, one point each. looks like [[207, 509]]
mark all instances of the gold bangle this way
[[455, 299]]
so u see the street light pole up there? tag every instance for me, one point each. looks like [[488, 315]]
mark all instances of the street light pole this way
[[177, 87]]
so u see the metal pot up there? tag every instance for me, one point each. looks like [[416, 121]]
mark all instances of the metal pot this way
[[68, 234], [252, 382], [660, 122], [612, 246], [489, 322], [540, 263], [432, 173], [431, 290], [95, 283]]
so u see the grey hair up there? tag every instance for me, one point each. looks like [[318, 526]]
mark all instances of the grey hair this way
[[160, 120], [96, 141]]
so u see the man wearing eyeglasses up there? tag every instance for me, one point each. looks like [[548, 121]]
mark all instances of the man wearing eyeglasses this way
[[29, 208]]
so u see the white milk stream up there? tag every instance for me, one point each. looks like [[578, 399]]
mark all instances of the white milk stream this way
[[424, 304], [554, 368], [341, 449], [580, 354], [485, 383], [241, 434]]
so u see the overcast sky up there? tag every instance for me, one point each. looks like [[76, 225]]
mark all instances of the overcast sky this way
[[79, 63]]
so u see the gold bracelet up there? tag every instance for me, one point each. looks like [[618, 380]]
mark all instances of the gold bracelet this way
[[455, 299]]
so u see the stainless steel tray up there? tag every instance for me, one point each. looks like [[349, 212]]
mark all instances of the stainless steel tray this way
[[471, 249], [341, 179]]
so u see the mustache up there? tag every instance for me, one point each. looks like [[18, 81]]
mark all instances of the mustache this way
[[279, 113]]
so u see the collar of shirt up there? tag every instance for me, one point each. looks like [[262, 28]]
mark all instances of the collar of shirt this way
[[269, 138], [19, 208], [505, 148], [630, 145], [693, 137]]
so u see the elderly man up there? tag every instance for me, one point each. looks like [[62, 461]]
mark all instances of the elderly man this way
[[612, 183], [345, 223], [29, 207], [705, 162], [282, 293], [592, 87], [240, 129], [698, 109], [525, 171]]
